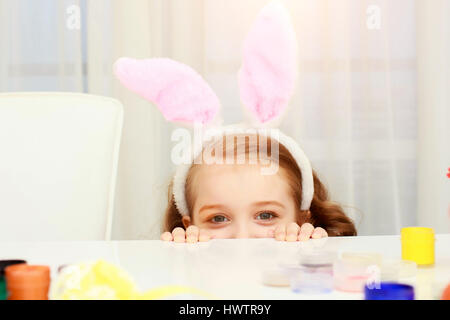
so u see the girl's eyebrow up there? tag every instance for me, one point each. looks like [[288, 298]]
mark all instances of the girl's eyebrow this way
[[266, 203], [213, 206]]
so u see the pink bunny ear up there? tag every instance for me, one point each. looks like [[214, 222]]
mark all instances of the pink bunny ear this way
[[269, 68], [179, 92]]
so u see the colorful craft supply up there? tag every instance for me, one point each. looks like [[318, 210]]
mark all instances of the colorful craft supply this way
[[418, 245], [389, 291], [393, 270], [101, 280], [313, 274], [446, 293], [27, 282], [275, 277], [352, 271], [3, 265]]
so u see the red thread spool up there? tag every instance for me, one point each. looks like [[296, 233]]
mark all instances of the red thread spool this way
[[27, 282]]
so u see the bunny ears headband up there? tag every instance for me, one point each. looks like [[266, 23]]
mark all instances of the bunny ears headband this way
[[266, 83]]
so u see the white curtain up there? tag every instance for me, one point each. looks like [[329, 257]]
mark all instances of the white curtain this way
[[361, 110], [433, 135]]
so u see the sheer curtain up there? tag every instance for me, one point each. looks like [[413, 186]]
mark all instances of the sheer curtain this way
[[433, 134], [355, 110], [37, 50]]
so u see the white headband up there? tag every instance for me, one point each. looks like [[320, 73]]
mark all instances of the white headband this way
[[266, 84], [179, 181]]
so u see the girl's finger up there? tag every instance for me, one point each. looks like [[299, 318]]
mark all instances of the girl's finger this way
[[203, 236], [306, 231], [179, 235], [280, 233], [192, 234], [319, 233], [292, 232], [166, 236]]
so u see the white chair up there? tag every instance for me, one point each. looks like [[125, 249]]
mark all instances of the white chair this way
[[58, 163]]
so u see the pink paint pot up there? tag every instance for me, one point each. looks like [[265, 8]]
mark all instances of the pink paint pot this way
[[353, 271]]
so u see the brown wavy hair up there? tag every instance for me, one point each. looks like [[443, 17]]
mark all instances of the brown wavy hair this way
[[322, 213]]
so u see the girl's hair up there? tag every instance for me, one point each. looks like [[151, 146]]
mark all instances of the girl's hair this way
[[323, 212]]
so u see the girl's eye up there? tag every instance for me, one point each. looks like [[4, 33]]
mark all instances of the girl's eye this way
[[218, 219], [265, 216]]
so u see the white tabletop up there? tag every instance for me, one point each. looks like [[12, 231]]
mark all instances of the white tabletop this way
[[228, 269]]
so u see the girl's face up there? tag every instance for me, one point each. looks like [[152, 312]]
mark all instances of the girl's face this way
[[237, 201]]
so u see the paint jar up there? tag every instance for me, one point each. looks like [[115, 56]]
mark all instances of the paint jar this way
[[393, 270], [352, 271], [275, 277], [389, 291], [446, 293], [27, 282], [313, 274], [3, 265], [418, 245]]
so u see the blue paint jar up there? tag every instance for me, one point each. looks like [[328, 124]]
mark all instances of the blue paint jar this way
[[389, 291]]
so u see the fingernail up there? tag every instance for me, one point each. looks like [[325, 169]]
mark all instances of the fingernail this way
[[291, 238], [179, 239]]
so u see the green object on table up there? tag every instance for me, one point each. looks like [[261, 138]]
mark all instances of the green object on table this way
[[3, 292]]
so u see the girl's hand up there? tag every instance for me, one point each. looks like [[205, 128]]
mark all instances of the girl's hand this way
[[293, 232], [192, 235]]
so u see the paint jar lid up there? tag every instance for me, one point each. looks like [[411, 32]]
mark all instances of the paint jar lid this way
[[389, 291], [421, 234], [317, 258], [6, 263], [397, 270], [362, 258], [310, 278], [24, 275]]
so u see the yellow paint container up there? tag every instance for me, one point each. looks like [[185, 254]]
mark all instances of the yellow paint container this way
[[418, 245]]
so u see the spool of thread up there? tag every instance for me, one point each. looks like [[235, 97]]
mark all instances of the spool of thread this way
[[418, 245], [27, 282], [389, 291], [3, 265]]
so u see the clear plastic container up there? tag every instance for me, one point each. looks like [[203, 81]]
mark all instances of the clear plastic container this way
[[352, 271], [313, 274], [393, 270], [275, 277]]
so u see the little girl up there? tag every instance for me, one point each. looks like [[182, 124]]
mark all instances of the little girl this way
[[234, 200], [237, 201]]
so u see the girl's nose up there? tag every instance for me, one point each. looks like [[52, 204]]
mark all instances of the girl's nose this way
[[242, 235], [241, 232]]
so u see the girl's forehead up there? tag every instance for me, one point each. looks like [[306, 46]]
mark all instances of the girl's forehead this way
[[239, 170], [236, 182]]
